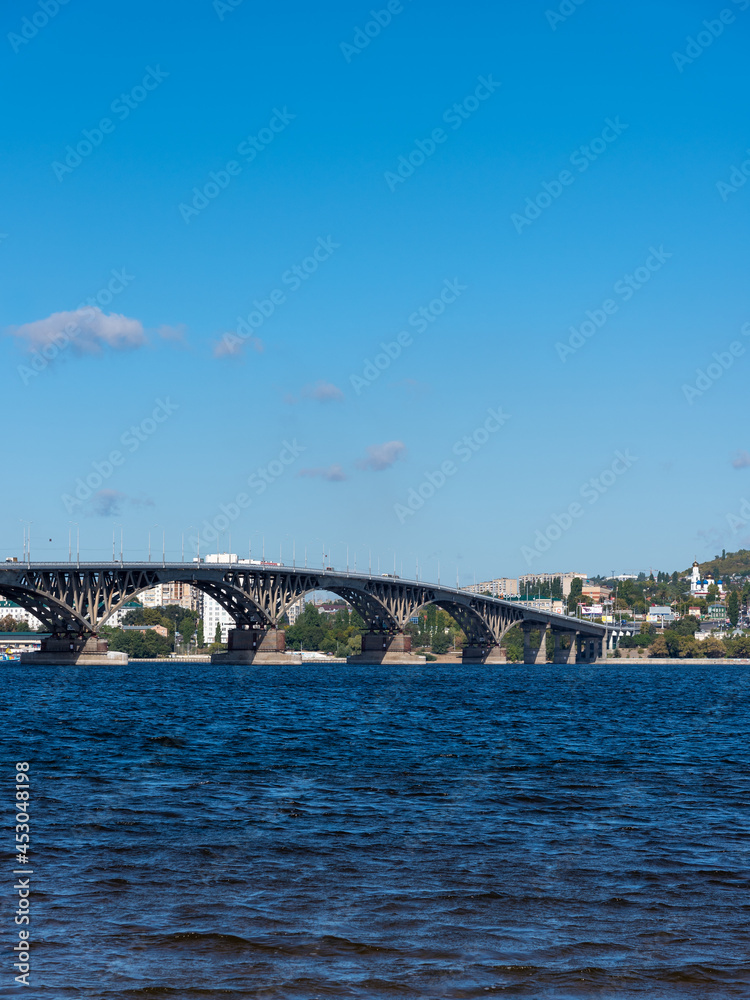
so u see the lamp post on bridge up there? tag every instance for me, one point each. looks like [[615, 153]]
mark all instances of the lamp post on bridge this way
[[198, 537], [114, 557], [78, 542], [27, 541]]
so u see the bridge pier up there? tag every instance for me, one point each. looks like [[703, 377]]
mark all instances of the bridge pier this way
[[565, 654], [474, 655], [386, 648], [589, 649], [532, 654], [255, 645], [82, 651]]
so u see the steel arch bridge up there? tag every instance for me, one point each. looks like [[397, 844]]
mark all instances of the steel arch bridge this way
[[74, 600]]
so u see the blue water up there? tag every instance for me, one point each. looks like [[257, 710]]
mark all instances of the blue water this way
[[334, 831]]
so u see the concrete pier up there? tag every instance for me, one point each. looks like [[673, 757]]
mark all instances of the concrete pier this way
[[91, 652], [382, 647], [471, 655], [255, 645]]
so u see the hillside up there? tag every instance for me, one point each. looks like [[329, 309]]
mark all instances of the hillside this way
[[727, 564]]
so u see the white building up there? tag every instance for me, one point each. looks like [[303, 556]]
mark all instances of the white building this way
[[501, 587], [10, 610], [213, 615], [295, 610], [698, 587], [116, 620]]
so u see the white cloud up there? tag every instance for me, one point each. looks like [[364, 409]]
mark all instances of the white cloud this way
[[741, 460], [87, 330], [382, 456], [324, 392], [230, 346], [173, 333], [331, 474]]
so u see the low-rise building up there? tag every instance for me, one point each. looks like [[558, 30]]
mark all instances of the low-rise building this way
[[500, 587], [117, 618], [159, 629], [596, 592], [553, 605]]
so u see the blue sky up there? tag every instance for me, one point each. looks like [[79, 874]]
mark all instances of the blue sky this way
[[121, 115]]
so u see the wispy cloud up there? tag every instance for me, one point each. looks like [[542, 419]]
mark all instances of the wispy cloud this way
[[321, 391], [382, 456], [88, 331], [107, 503], [110, 503], [412, 386], [324, 392], [741, 460], [231, 346], [176, 334], [331, 474]]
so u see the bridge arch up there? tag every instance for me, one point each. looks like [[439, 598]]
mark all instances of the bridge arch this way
[[57, 616]]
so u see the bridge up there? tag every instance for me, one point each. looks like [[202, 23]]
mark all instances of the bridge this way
[[74, 600]]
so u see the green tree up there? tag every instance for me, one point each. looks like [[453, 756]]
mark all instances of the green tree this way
[[739, 646], [733, 608], [441, 643], [200, 639], [512, 642], [659, 648], [186, 628], [217, 634], [687, 647], [713, 648], [139, 645], [576, 593], [310, 629]]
